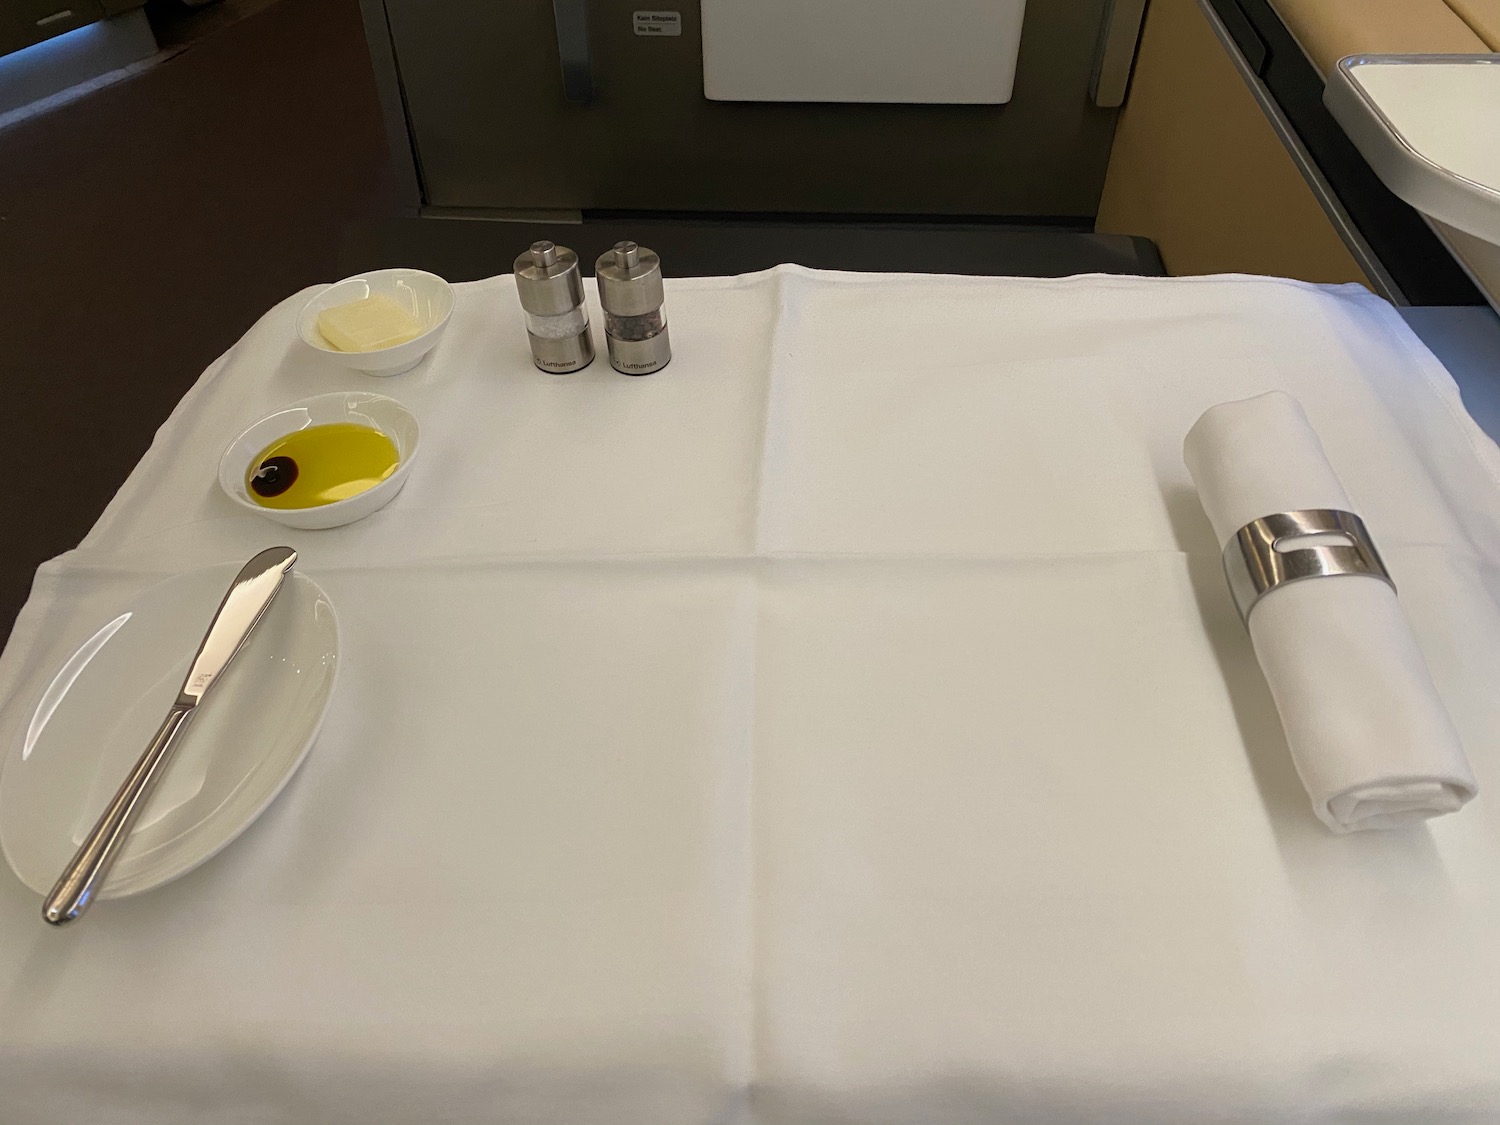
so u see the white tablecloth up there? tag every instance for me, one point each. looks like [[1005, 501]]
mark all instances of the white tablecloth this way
[[847, 724]]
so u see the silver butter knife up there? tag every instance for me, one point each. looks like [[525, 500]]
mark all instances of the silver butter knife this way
[[242, 607]]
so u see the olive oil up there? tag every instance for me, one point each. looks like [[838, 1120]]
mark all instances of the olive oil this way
[[321, 465]]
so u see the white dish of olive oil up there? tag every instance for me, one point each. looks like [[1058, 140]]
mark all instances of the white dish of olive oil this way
[[324, 461]]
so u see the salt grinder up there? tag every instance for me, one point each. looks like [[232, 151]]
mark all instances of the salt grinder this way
[[551, 292], [630, 290]]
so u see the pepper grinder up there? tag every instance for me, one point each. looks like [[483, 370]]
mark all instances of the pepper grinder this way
[[630, 290], [551, 292]]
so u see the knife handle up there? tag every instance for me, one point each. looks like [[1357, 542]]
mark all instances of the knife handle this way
[[84, 876]]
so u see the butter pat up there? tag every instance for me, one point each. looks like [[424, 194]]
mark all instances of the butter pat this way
[[368, 324]]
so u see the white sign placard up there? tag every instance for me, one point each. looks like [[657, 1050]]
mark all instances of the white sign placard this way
[[658, 23]]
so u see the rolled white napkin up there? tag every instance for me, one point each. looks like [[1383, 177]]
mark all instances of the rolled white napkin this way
[[1372, 741]]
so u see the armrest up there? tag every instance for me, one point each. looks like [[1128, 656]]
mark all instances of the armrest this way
[[1426, 124]]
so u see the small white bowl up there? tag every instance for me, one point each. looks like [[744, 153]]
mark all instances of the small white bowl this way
[[425, 295], [376, 411]]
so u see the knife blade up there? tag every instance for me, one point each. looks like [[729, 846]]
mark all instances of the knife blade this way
[[243, 606]]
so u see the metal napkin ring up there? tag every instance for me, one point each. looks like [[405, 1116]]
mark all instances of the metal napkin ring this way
[[1255, 567]]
